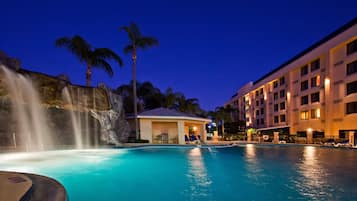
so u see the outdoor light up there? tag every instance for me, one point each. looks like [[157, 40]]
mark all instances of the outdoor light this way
[[194, 128], [309, 130], [327, 81]]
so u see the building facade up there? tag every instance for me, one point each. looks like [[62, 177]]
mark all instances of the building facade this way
[[314, 94]]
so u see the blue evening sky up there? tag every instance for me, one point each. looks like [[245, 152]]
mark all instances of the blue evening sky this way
[[208, 49]]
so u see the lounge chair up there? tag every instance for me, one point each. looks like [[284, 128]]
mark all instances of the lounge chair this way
[[187, 140], [343, 143]]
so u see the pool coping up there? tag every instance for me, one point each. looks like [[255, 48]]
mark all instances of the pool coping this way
[[42, 188]]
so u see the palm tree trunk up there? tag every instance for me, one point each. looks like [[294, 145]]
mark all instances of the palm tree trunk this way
[[88, 75], [134, 94]]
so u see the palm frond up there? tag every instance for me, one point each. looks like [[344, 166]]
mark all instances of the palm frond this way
[[105, 53], [102, 64], [130, 33], [77, 45], [135, 30], [146, 42], [63, 42], [128, 49]]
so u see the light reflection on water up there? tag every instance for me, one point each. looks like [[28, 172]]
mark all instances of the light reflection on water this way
[[200, 182], [313, 181], [251, 172], [254, 170]]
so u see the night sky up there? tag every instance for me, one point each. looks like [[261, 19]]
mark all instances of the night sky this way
[[208, 49]]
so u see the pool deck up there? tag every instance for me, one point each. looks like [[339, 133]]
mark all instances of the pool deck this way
[[30, 187]]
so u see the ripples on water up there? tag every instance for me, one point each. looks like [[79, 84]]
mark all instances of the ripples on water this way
[[251, 172]]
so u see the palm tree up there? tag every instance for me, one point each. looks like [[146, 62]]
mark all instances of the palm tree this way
[[136, 41], [92, 57]]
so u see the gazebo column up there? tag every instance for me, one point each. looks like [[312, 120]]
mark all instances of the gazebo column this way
[[203, 133], [181, 132]]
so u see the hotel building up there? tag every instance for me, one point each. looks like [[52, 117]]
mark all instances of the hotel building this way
[[314, 94]]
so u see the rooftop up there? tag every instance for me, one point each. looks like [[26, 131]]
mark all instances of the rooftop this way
[[312, 47]]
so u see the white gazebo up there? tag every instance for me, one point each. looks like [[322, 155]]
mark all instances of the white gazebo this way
[[167, 126]]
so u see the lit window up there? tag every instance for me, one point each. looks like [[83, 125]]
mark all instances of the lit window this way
[[304, 115], [315, 113], [315, 81]]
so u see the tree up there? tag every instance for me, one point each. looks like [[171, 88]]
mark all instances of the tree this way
[[10, 62], [136, 41], [92, 57]]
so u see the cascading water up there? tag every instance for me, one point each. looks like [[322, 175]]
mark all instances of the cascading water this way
[[32, 129], [48, 112], [76, 124]]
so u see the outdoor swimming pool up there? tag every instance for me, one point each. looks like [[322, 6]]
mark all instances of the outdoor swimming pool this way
[[250, 172]]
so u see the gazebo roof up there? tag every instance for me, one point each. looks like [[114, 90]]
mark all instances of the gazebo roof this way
[[165, 113]]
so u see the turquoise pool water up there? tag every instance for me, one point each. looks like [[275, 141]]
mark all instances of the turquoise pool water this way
[[251, 172]]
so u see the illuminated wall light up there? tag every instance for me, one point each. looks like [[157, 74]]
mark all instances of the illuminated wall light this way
[[327, 81], [309, 130]]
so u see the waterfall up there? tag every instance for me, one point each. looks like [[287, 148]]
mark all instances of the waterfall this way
[[75, 119], [32, 130], [48, 112]]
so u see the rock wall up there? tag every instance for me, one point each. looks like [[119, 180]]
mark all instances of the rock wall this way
[[85, 101]]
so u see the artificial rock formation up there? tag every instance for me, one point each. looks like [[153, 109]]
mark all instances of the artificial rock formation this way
[[97, 112]]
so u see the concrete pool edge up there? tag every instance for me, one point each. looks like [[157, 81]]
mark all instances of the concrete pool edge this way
[[42, 188]]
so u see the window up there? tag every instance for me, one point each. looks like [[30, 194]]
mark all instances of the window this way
[[315, 113], [351, 68], [301, 134], [257, 103], [275, 95], [304, 100], [275, 84], [315, 81], [304, 70], [304, 115], [351, 107], [258, 121], [262, 101], [261, 110], [257, 93], [282, 80], [276, 119], [282, 106], [304, 85], [352, 47], [315, 97], [276, 107], [351, 88], [315, 65], [257, 112], [282, 93], [341, 134], [282, 118], [261, 121], [261, 91]]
